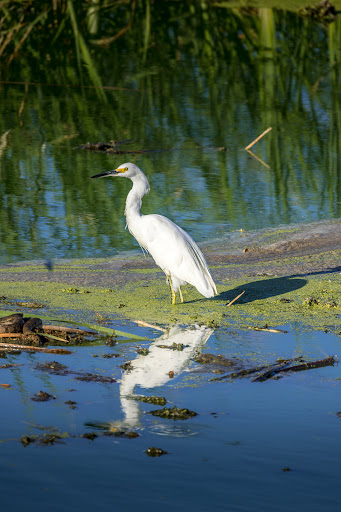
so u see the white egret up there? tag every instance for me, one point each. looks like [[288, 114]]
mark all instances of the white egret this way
[[172, 249]]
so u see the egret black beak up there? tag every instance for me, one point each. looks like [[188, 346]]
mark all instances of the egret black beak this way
[[105, 174]]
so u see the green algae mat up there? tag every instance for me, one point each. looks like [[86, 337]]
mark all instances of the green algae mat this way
[[287, 276]]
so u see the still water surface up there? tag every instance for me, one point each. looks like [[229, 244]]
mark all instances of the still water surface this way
[[182, 110], [231, 455]]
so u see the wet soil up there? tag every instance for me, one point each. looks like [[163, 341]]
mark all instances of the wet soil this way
[[287, 274]]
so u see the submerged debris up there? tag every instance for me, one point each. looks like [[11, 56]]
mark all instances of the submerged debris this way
[[106, 356], [31, 332], [175, 413], [155, 452], [107, 147], [155, 400], [127, 366], [60, 369], [42, 396], [45, 439], [10, 365], [282, 365], [142, 351], [94, 377], [26, 440], [217, 360], [71, 404], [52, 437], [53, 367], [30, 305], [89, 435], [121, 433], [174, 346]]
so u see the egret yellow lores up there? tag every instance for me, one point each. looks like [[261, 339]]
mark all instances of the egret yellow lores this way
[[172, 249]]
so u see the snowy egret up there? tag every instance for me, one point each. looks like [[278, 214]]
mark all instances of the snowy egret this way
[[172, 249]]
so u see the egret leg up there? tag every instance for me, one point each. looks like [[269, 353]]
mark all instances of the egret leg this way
[[172, 291], [181, 297]]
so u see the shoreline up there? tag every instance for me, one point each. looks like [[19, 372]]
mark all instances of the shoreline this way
[[279, 269]]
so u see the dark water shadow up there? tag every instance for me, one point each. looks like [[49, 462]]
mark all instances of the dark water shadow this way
[[264, 289]]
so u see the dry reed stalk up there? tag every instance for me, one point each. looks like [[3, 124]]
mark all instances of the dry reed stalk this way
[[258, 138], [10, 346], [236, 298], [145, 324]]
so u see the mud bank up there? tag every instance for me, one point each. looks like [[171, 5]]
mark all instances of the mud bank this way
[[291, 275]]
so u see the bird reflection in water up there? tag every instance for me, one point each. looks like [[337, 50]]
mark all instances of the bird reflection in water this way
[[152, 370]]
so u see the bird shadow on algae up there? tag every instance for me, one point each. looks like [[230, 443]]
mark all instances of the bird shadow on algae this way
[[263, 289], [267, 288]]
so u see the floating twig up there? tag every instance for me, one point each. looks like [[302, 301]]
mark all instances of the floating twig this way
[[258, 138], [10, 346], [267, 329], [236, 298], [10, 365], [11, 335], [5, 385], [142, 323]]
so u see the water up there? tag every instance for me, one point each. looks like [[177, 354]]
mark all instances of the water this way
[[232, 454], [183, 110], [182, 82]]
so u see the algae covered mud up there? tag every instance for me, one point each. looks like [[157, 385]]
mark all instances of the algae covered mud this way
[[290, 275]]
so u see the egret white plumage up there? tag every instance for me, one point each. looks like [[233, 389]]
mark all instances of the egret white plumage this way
[[172, 249]]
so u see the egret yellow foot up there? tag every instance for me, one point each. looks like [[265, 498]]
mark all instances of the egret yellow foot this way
[[172, 290]]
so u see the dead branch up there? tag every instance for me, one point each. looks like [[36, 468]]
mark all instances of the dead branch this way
[[328, 361], [142, 323], [11, 335], [70, 330], [236, 298], [10, 365], [10, 346], [267, 329], [250, 371]]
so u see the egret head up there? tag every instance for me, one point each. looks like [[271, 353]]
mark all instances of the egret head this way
[[127, 170]]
